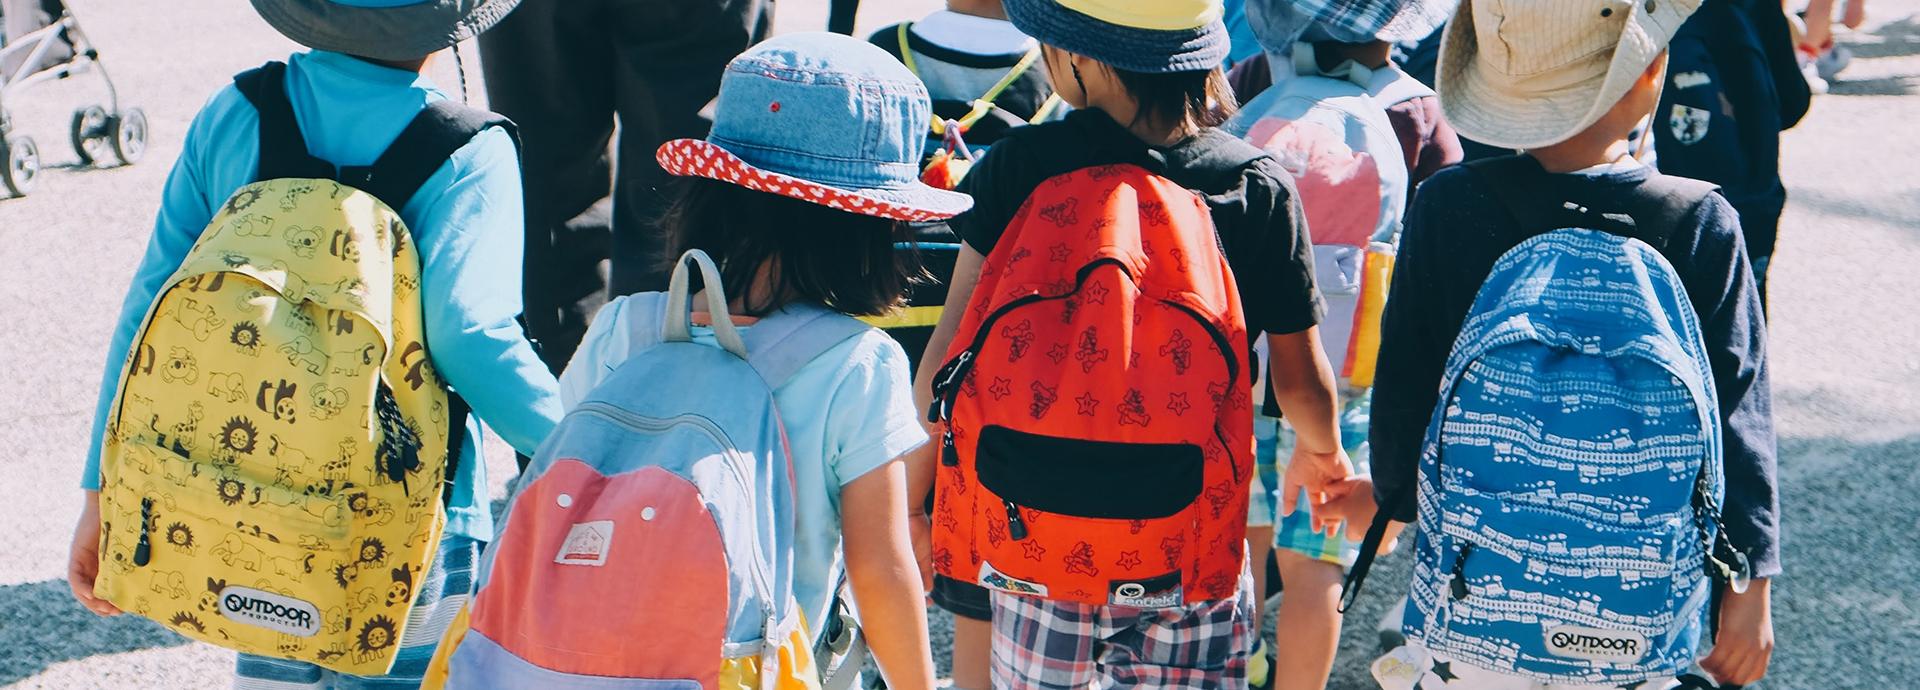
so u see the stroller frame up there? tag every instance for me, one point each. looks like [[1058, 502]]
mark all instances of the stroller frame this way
[[96, 130]]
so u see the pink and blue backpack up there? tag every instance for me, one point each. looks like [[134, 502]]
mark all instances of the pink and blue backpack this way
[[650, 542]]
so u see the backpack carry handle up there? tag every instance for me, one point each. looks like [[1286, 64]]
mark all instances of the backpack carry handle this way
[[679, 305]]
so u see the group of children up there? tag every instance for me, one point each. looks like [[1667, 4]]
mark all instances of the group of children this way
[[1336, 173]]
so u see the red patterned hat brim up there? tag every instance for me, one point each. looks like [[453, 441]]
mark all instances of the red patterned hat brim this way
[[699, 158]]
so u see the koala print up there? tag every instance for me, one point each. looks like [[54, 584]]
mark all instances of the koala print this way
[[303, 241], [253, 226], [180, 367], [328, 402], [302, 353], [352, 362], [196, 318]]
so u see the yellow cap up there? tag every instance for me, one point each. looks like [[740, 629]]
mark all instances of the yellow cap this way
[[1159, 15]]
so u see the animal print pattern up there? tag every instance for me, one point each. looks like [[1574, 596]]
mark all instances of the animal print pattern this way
[[244, 448], [1087, 335]]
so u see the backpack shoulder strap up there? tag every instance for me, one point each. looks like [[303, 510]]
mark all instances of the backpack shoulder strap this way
[[1669, 199], [784, 342], [1519, 182], [440, 129], [283, 149]]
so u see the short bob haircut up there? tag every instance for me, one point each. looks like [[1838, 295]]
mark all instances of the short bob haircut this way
[[853, 264]]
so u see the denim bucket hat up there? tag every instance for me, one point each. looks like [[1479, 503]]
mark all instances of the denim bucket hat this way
[[1147, 36], [382, 29], [823, 118]]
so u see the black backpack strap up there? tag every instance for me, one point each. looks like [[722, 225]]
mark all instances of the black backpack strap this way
[[433, 136], [1520, 183], [283, 149]]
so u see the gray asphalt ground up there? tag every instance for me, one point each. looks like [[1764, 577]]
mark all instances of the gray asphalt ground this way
[[1846, 309]]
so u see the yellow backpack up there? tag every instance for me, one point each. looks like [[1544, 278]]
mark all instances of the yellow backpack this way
[[273, 470]]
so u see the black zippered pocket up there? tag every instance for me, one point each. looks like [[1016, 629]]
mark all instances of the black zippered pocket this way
[[1092, 479]]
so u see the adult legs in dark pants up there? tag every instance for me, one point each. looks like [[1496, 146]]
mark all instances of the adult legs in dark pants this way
[[565, 70]]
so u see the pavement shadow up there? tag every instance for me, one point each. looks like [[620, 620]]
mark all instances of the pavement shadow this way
[[1901, 85], [1897, 39], [1877, 210], [41, 625]]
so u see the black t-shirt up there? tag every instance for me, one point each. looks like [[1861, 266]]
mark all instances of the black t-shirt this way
[[1459, 228], [1015, 105], [1255, 209]]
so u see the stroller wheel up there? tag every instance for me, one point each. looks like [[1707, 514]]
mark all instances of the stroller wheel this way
[[89, 133], [129, 130], [22, 160]]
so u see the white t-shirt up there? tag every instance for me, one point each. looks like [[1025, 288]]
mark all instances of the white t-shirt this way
[[846, 413]]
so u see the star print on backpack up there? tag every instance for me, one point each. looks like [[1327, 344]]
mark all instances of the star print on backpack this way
[[1106, 458]]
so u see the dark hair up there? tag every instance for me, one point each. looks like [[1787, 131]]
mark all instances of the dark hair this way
[[1201, 97], [846, 261]]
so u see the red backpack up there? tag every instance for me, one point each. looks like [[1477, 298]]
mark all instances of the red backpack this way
[[1098, 442]]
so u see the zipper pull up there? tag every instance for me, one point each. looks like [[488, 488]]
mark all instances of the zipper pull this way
[[949, 455], [943, 385], [1016, 527], [1458, 586], [143, 551]]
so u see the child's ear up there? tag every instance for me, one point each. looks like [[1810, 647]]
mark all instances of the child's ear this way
[[1657, 70]]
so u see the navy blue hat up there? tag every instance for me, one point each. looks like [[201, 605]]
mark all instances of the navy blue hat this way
[[1146, 36], [382, 29]]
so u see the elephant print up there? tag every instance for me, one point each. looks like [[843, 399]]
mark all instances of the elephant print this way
[[173, 585], [180, 367], [196, 318], [234, 552], [302, 353], [354, 361], [303, 241], [229, 386], [253, 226]]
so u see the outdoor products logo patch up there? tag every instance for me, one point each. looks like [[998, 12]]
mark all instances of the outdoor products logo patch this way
[[586, 544], [1596, 644], [274, 612], [1152, 593]]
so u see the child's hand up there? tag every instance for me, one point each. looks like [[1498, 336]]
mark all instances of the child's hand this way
[[83, 559], [1351, 501], [1745, 643], [1318, 474], [920, 530]]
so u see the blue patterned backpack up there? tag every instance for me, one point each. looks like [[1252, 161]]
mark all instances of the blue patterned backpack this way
[[1570, 479]]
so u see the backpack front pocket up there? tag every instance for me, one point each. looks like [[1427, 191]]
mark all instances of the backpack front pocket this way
[[1090, 479]]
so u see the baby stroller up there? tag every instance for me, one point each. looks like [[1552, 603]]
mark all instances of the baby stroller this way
[[45, 43]]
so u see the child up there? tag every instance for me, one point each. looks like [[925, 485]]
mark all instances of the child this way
[[1326, 116], [1146, 89], [800, 195], [1732, 89], [1577, 151], [965, 53], [352, 94]]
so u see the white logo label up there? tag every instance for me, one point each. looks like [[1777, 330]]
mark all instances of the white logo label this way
[[1595, 644], [994, 579], [1688, 80], [275, 612], [586, 544]]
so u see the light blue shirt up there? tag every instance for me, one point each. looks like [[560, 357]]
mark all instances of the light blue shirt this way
[[846, 413], [467, 224]]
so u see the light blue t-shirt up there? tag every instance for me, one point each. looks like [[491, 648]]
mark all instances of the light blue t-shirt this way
[[846, 413], [467, 223]]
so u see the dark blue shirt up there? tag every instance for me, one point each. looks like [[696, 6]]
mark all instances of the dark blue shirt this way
[[1456, 231]]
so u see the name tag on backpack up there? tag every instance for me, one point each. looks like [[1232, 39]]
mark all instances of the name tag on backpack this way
[[586, 544], [1594, 644]]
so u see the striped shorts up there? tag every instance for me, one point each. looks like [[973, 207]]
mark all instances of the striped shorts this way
[[1047, 645], [445, 589]]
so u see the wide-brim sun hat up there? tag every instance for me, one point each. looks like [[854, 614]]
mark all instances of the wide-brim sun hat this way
[[1146, 36], [382, 29], [822, 118], [1523, 74], [1278, 24]]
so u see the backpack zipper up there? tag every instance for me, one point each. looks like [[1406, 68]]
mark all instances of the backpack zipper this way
[[143, 550], [1016, 527], [1458, 585]]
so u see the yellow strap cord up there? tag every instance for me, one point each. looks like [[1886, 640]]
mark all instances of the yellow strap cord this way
[[910, 317], [983, 104]]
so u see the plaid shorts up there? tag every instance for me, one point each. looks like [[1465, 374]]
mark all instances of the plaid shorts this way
[[445, 589], [1041, 644]]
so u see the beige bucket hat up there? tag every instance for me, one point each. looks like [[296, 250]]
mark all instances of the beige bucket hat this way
[[1530, 73]]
